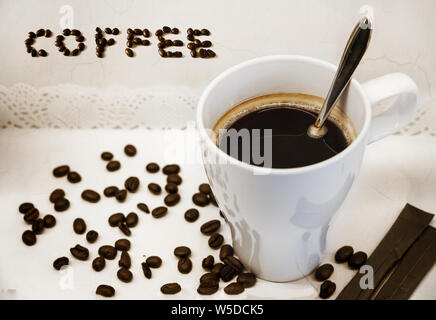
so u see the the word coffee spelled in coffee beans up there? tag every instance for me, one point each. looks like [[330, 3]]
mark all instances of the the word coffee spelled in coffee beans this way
[[171, 288], [327, 289], [60, 262], [105, 291], [324, 272]]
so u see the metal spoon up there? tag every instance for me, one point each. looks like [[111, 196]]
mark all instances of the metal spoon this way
[[353, 54]]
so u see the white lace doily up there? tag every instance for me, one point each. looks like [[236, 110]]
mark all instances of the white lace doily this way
[[76, 107]]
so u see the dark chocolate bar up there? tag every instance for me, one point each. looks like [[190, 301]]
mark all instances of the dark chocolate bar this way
[[407, 228], [415, 264]]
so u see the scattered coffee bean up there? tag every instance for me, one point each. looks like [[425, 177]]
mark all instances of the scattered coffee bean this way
[[191, 215], [171, 169], [217, 268], [216, 240], [107, 156], [247, 280], [28, 238], [226, 250], [130, 150], [146, 270], [105, 291], [49, 221], [344, 254], [121, 195], [143, 207], [324, 272], [171, 188], [208, 287], [132, 184], [227, 273], [80, 253], [90, 196], [62, 205], [210, 227], [116, 219], [132, 220], [200, 199], [31, 216], [172, 199], [208, 262], [74, 177], [170, 288], [234, 288], [125, 229], [174, 178], [210, 276], [182, 252], [327, 289], [122, 245], [159, 212], [113, 165], [205, 188], [92, 236], [24, 207], [184, 265], [38, 226], [154, 188], [154, 262], [98, 264], [57, 195], [152, 167], [110, 192], [60, 262], [234, 263], [61, 171], [107, 252], [357, 260], [125, 261]]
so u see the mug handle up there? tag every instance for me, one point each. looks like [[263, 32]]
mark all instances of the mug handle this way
[[400, 113]]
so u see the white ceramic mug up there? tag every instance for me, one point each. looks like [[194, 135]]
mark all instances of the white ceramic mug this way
[[279, 218]]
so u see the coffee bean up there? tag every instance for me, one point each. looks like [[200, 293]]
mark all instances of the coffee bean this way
[[174, 178], [49, 221], [178, 54], [192, 215], [98, 35], [197, 32], [107, 252], [105, 291], [154, 262], [178, 43], [132, 220], [210, 277], [172, 199], [125, 261], [62, 205], [327, 289], [79, 226], [138, 32], [217, 268], [205, 188], [74, 177], [162, 53], [116, 219], [184, 265], [130, 31], [108, 30], [80, 253], [80, 38], [132, 184], [121, 195], [324, 272], [122, 245], [28, 49], [227, 273], [125, 229], [90, 196], [75, 32], [42, 53], [57, 195], [210, 227], [211, 54], [155, 188], [202, 53], [113, 166], [226, 250], [61, 171], [40, 32], [190, 31], [98, 264], [32, 35], [146, 33], [152, 167], [182, 252], [206, 44], [168, 43], [130, 150], [92, 236], [66, 32], [215, 241], [344, 254], [98, 30], [170, 288], [208, 288], [28, 238], [146, 270], [191, 46], [38, 226], [194, 53], [31, 216], [159, 212], [357, 260], [129, 52], [29, 41], [60, 262], [107, 156], [66, 52], [171, 188], [137, 41], [200, 199], [208, 262], [102, 42], [34, 53], [24, 207], [143, 207], [129, 44], [234, 263], [145, 42], [171, 169], [166, 29], [205, 32], [99, 54], [115, 31], [234, 288], [110, 191], [247, 280], [197, 42]]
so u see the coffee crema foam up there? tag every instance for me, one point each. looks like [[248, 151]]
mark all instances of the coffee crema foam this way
[[299, 101]]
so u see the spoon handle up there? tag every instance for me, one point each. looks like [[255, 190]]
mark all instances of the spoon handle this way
[[353, 54]]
